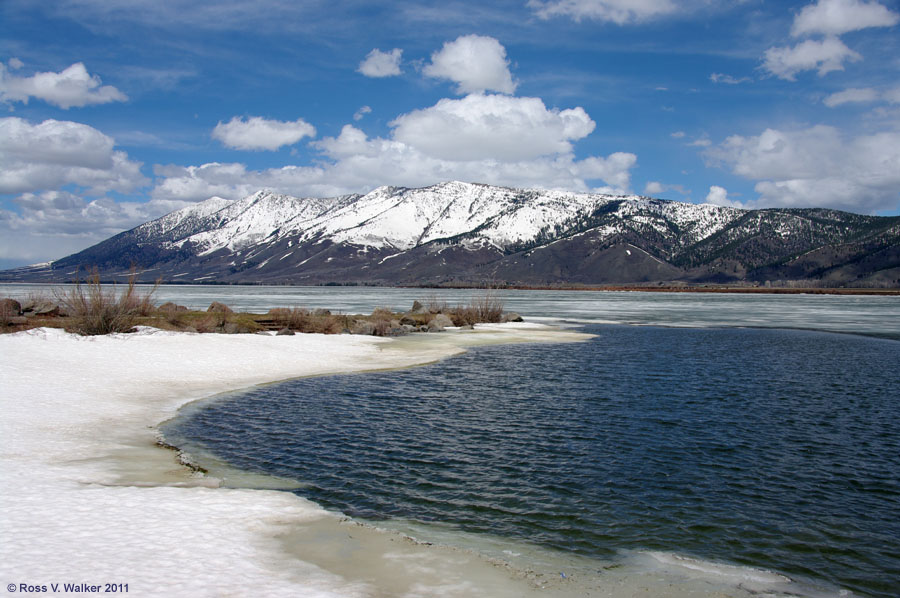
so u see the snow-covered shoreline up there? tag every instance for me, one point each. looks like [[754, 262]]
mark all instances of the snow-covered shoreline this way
[[88, 497]]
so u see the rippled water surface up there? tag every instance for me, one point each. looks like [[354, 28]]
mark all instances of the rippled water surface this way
[[772, 448]]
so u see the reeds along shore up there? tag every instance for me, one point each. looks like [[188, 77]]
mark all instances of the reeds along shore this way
[[91, 308]]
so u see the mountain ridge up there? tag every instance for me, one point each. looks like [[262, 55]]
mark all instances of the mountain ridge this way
[[471, 233]]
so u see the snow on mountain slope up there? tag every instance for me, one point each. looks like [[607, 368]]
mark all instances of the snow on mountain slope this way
[[539, 210], [257, 217], [683, 224], [192, 215], [400, 219], [405, 218], [411, 217], [696, 222]]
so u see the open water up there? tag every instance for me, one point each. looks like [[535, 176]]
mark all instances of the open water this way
[[707, 431]]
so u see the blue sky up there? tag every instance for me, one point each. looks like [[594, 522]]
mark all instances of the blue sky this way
[[118, 111]]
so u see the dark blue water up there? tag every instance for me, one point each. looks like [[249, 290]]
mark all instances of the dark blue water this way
[[770, 448]]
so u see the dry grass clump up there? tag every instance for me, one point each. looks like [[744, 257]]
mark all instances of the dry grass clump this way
[[35, 297], [211, 322], [7, 312], [487, 307], [94, 309], [222, 322], [383, 321], [173, 314], [300, 319], [435, 304], [463, 315]]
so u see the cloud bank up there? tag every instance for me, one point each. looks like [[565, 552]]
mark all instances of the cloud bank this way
[[52, 154], [486, 138], [816, 166]]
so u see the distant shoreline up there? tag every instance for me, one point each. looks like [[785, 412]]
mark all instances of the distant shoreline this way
[[524, 287]]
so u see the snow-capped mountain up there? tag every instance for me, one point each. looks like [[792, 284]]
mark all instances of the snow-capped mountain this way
[[470, 233]]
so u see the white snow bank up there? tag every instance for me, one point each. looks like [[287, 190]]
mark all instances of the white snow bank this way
[[87, 496], [78, 417]]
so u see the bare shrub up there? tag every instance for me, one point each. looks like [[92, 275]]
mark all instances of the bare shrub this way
[[303, 320], [98, 310], [35, 297], [435, 304], [462, 315], [8, 311], [488, 306], [143, 302], [382, 319], [295, 318], [332, 324], [173, 314]]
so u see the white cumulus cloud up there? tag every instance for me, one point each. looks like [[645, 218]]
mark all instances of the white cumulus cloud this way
[[614, 170], [257, 133], [381, 64], [359, 162], [819, 166], [620, 12], [836, 17], [654, 188], [492, 126], [823, 56], [72, 87], [475, 63], [718, 196], [51, 154]]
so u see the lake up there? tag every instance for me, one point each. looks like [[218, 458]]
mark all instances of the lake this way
[[750, 430]]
